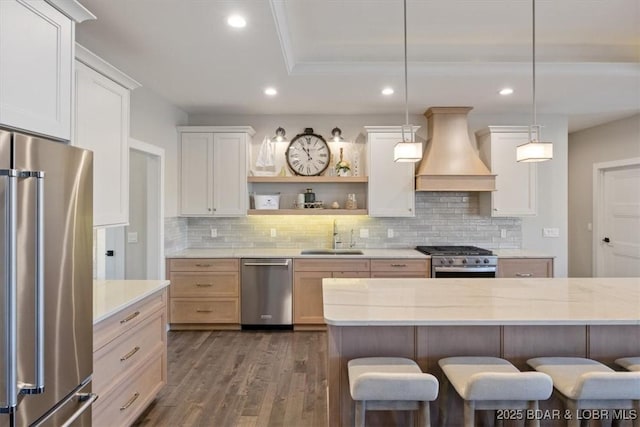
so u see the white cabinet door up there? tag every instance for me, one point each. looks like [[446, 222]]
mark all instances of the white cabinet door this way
[[213, 173], [515, 193], [102, 125], [196, 174], [36, 54], [391, 184], [230, 174]]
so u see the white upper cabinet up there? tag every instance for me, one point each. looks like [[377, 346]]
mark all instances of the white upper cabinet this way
[[36, 63], [213, 170], [102, 125], [391, 184], [515, 193]]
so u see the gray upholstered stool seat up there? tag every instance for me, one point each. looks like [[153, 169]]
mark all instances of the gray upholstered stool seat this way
[[493, 383], [588, 384], [630, 363], [390, 383]]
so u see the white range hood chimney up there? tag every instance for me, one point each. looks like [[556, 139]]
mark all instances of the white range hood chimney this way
[[450, 163]]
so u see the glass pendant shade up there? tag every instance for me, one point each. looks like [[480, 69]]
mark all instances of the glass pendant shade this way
[[534, 151]]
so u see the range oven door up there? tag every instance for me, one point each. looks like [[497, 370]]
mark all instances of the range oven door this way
[[462, 272]]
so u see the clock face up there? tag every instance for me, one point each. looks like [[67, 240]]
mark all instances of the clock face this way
[[308, 154]]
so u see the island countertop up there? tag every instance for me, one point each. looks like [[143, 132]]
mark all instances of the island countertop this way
[[111, 296], [536, 301]]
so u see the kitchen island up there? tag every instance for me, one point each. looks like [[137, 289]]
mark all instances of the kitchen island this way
[[517, 319]]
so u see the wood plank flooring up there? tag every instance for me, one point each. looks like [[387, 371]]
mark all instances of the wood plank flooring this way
[[242, 378]]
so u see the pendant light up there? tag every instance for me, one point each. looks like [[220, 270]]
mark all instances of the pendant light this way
[[407, 151], [534, 150], [280, 135]]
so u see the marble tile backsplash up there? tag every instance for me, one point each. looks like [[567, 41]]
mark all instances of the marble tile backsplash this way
[[175, 234], [441, 218]]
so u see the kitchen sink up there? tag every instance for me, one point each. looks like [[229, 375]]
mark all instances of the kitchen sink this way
[[331, 252]]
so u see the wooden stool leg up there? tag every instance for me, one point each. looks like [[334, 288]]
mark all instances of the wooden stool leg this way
[[469, 413], [411, 419], [361, 408], [425, 415], [533, 406], [636, 406], [573, 407], [443, 403]]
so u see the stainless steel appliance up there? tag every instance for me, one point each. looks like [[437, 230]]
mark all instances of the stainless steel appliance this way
[[46, 287], [460, 261], [267, 293]]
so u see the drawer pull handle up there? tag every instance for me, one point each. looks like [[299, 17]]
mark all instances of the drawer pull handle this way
[[131, 353], [524, 275], [204, 285], [398, 265], [130, 402], [203, 311], [129, 317], [203, 265]]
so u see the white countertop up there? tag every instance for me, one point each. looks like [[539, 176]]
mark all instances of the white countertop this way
[[549, 301], [111, 296], [292, 253], [520, 253]]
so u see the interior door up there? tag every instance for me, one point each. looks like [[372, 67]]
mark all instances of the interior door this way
[[620, 232]]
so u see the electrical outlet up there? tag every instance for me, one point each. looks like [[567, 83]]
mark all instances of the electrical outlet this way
[[214, 232], [503, 233], [390, 233], [551, 232], [364, 233], [132, 237], [274, 233]]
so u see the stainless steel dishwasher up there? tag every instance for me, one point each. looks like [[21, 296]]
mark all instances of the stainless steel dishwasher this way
[[267, 285]]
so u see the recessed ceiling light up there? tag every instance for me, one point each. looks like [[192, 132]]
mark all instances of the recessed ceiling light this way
[[236, 21], [387, 91], [506, 91], [270, 91]]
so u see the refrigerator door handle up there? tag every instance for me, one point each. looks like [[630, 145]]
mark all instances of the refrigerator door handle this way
[[38, 386], [11, 287], [89, 398]]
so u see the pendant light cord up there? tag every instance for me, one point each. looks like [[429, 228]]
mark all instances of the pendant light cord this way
[[533, 59], [406, 83]]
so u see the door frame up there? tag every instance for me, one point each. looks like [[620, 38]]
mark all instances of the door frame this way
[[158, 152], [599, 170]]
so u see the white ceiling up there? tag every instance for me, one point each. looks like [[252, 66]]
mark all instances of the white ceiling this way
[[334, 56]]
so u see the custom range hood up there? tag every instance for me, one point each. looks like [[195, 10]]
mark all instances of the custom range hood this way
[[450, 163]]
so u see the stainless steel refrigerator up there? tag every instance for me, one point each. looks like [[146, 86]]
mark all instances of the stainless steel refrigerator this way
[[46, 285]]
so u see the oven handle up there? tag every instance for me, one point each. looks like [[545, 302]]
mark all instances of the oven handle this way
[[465, 269]]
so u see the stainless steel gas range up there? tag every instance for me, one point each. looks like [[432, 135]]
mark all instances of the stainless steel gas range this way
[[460, 261]]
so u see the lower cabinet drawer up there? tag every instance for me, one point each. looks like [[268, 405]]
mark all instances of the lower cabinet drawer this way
[[526, 267], [214, 284], [419, 267], [125, 403], [116, 361], [219, 310]]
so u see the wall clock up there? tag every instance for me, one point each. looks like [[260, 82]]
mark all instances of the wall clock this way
[[308, 154]]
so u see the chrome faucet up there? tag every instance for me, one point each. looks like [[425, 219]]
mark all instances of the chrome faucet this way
[[336, 242]]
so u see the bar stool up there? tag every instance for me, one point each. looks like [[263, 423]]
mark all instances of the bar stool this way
[[493, 383], [390, 383], [630, 363], [588, 384]]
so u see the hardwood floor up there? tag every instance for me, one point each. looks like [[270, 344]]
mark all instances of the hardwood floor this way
[[242, 378]]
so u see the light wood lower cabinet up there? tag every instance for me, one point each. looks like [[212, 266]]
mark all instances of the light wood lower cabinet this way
[[129, 361], [205, 293], [401, 268], [525, 267], [307, 284]]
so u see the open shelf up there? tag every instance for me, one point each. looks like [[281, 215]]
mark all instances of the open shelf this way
[[308, 179], [307, 212]]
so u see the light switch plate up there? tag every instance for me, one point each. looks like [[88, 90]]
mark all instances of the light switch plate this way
[[390, 233], [364, 233], [214, 232], [551, 232], [132, 237], [274, 233]]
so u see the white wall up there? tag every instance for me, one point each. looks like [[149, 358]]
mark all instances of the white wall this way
[[552, 177], [136, 253], [612, 141], [154, 121]]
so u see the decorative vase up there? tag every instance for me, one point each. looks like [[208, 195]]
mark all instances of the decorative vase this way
[[344, 172]]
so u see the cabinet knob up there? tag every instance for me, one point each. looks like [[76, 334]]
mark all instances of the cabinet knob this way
[[209, 209]]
